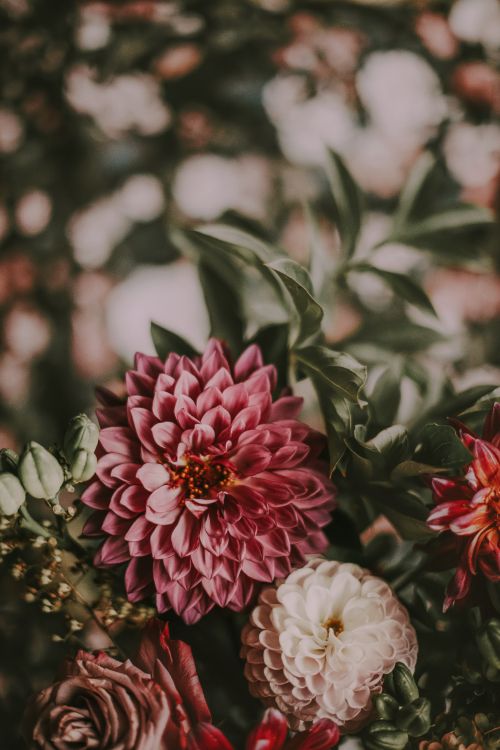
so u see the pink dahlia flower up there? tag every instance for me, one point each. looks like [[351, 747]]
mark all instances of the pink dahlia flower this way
[[468, 511], [206, 488]]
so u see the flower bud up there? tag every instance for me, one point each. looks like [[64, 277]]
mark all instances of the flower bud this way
[[405, 687], [8, 460], [82, 466], [12, 494], [82, 435], [382, 735], [415, 718], [386, 706], [40, 472], [488, 642]]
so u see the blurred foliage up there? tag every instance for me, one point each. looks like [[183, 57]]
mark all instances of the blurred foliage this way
[[189, 79]]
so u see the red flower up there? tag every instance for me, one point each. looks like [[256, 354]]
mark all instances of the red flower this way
[[155, 703], [152, 704], [206, 488], [468, 510], [271, 734]]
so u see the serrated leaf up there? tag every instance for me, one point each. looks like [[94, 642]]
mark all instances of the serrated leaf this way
[[166, 341], [439, 445], [401, 284], [347, 200], [298, 284], [337, 370], [224, 308]]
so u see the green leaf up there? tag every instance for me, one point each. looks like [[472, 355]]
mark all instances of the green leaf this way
[[166, 341], [298, 284], [385, 398], [444, 224], [224, 307], [397, 335], [222, 252], [415, 186], [401, 285], [406, 513], [347, 200], [409, 469], [439, 445], [459, 402], [273, 342], [376, 457], [339, 371], [338, 422]]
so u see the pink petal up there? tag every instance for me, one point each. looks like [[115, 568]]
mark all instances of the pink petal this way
[[147, 365], [209, 398], [164, 406], [235, 398], [161, 542], [252, 459], [115, 525], [287, 407], [139, 384], [270, 734], [105, 466], [113, 552], [249, 361], [166, 435], [487, 463], [218, 418], [187, 385], [96, 496], [199, 438], [140, 529], [163, 506], [119, 440], [138, 578], [185, 536], [143, 420], [247, 419], [152, 476]]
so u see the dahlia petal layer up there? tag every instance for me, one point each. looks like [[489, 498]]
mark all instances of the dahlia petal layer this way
[[204, 485]]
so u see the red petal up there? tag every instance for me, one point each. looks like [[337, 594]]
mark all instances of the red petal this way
[[270, 734], [208, 737], [487, 463], [323, 735]]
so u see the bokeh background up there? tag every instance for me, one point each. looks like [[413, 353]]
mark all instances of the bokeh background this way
[[121, 120]]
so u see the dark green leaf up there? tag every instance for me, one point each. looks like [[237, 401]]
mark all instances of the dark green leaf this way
[[406, 513], [400, 336], [444, 224], [409, 469], [439, 445], [224, 307], [298, 284], [386, 395], [347, 200], [416, 185], [401, 285], [338, 423], [336, 370], [222, 252], [273, 342], [166, 341]]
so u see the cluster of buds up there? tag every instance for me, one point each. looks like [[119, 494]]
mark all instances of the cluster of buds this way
[[41, 473], [482, 732], [113, 610], [401, 712]]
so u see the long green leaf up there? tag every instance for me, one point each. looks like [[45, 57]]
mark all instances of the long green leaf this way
[[401, 285], [442, 224], [224, 307], [298, 284], [414, 188], [347, 201]]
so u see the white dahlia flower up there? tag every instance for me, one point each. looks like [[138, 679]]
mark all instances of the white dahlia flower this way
[[318, 645]]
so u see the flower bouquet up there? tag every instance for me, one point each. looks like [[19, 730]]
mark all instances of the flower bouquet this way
[[249, 567]]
